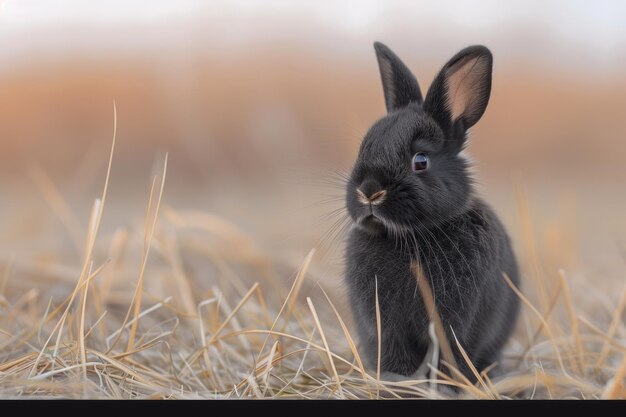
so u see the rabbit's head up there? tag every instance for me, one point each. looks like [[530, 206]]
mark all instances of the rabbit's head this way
[[409, 173]]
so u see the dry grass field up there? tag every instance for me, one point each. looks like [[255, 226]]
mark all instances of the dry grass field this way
[[184, 304]]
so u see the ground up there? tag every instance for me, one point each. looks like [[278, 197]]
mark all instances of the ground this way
[[183, 303]]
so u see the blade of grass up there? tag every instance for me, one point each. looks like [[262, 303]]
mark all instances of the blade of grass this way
[[431, 308], [81, 330], [472, 367], [143, 313], [378, 336], [529, 239], [293, 290], [546, 315], [92, 233], [6, 275], [349, 338], [148, 244], [326, 348], [616, 389], [292, 297], [538, 314], [571, 314], [616, 320]]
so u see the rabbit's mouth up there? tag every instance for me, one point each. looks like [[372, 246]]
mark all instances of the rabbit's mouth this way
[[381, 226], [371, 223]]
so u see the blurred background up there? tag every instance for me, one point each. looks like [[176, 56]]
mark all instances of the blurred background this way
[[258, 103]]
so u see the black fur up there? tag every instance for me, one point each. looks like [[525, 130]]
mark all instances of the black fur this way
[[432, 217], [399, 84]]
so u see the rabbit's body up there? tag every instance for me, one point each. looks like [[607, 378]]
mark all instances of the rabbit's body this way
[[411, 198], [462, 259]]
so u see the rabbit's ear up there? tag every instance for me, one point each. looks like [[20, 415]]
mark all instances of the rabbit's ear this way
[[460, 92], [399, 84]]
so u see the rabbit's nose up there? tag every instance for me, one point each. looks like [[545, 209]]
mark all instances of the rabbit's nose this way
[[371, 192]]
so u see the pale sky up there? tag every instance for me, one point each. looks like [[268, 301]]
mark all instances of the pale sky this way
[[592, 32]]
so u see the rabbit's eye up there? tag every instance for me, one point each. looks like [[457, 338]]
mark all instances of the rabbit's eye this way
[[420, 162]]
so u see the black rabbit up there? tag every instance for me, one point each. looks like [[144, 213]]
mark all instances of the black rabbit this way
[[411, 199]]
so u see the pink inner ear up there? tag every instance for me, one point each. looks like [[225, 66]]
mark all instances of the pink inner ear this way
[[463, 82], [387, 73]]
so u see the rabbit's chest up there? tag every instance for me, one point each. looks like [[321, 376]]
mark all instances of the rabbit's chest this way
[[377, 269], [381, 267]]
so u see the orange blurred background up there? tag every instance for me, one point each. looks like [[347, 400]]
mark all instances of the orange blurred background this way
[[256, 101]]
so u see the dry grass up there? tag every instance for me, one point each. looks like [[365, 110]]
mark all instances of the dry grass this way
[[100, 331]]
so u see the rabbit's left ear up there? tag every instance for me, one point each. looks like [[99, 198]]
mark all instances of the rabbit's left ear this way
[[399, 84], [460, 93]]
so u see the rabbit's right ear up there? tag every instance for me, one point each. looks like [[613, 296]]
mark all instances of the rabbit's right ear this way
[[399, 84]]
